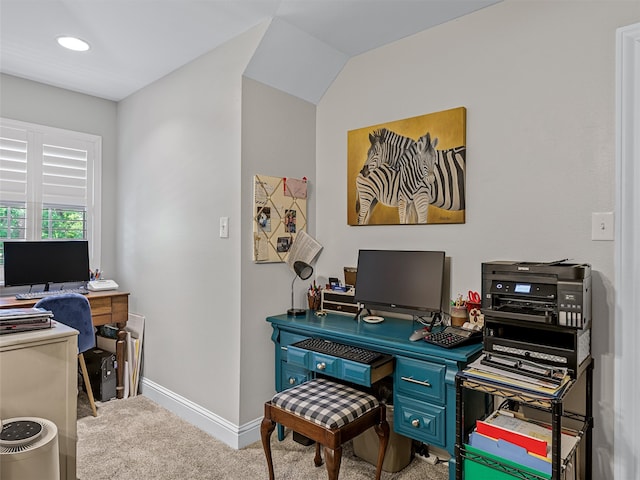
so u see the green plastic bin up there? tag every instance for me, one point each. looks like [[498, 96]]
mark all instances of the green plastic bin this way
[[474, 470]]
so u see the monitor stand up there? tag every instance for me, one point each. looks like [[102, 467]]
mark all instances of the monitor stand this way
[[357, 317], [434, 319]]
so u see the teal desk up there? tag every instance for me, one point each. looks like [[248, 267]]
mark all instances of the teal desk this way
[[424, 390]]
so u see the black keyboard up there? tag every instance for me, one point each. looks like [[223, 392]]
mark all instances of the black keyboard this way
[[347, 352], [453, 337]]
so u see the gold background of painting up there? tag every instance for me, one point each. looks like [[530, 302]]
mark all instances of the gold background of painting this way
[[448, 126]]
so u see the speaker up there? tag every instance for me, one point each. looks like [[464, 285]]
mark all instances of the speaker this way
[[101, 366]]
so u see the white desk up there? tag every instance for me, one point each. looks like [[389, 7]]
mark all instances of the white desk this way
[[38, 378]]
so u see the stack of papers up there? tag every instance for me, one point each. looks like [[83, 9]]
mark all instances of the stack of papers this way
[[506, 378], [13, 320]]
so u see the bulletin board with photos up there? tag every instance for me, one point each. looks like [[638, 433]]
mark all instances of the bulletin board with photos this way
[[279, 215]]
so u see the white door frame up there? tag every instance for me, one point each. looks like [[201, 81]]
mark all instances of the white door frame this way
[[627, 254]]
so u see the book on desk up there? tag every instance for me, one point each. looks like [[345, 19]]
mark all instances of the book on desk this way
[[14, 320]]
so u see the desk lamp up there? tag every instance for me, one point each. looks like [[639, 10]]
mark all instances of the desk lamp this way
[[304, 271]]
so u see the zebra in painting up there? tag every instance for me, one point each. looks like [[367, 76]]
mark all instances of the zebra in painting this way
[[386, 148], [401, 188], [443, 186], [447, 189]]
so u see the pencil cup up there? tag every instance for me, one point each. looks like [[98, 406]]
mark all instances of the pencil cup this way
[[314, 302], [458, 316]]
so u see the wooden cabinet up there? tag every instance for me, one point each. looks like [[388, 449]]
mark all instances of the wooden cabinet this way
[[38, 378]]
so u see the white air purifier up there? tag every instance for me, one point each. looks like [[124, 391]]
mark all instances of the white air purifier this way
[[29, 449]]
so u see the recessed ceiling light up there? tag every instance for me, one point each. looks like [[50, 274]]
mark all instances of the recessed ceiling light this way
[[73, 43]]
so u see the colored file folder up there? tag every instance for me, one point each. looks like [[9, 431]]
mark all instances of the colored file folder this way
[[477, 470], [509, 451], [534, 438]]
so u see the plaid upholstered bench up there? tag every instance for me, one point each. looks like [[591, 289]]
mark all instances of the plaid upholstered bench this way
[[328, 413]]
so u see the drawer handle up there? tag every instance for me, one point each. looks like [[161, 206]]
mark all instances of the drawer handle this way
[[284, 348], [419, 382], [321, 366], [415, 422], [292, 381]]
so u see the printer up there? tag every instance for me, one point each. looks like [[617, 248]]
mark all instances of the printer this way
[[538, 311]]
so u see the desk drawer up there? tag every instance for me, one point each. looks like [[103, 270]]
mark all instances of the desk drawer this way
[[111, 309], [420, 379], [340, 307], [292, 376], [358, 373], [420, 420], [100, 306], [287, 339]]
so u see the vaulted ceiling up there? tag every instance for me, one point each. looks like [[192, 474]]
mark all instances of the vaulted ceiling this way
[[135, 42]]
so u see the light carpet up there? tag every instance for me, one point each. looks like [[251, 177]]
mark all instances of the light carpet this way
[[138, 439]]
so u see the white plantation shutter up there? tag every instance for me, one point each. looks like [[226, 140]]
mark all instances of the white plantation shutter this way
[[64, 174], [13, 165], [45, 171]]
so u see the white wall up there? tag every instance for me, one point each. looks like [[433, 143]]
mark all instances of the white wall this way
[[41, 104], [278, 139], [179, 164], [537, 79]]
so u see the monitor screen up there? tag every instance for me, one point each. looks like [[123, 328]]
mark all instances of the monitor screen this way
[[46, 261], [400, 281]]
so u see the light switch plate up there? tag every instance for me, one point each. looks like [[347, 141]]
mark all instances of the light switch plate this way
[[224, 227], [602, 226]]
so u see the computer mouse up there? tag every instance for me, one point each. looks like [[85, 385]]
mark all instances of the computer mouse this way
[[419, 334]]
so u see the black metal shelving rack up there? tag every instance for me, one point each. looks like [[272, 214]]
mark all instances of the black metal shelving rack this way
[[552, 405]]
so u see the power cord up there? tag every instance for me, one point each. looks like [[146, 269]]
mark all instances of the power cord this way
[[429, 322]]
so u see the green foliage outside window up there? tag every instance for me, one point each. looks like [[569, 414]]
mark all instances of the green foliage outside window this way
[[57, 223], [12, 222], [12, 225], [61, 223]]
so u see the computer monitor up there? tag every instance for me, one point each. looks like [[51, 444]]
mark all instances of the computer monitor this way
[[408, 282], [45, 262]]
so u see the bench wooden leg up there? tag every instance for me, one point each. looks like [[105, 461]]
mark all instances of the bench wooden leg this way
[[266, 429], [382, 430], [317, 460], [333, 458]]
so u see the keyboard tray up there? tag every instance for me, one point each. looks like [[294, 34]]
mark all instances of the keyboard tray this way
[[331, 364]]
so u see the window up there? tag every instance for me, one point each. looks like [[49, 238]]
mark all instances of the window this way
[[49, 185]]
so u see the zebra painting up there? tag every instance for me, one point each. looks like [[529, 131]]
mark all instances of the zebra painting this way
[[386, 148], [379, 164], [403, 187]]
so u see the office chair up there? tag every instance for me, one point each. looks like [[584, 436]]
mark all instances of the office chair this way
[[74, 310]]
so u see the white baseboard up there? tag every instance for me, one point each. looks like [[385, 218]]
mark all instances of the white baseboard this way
[[233, 435]]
